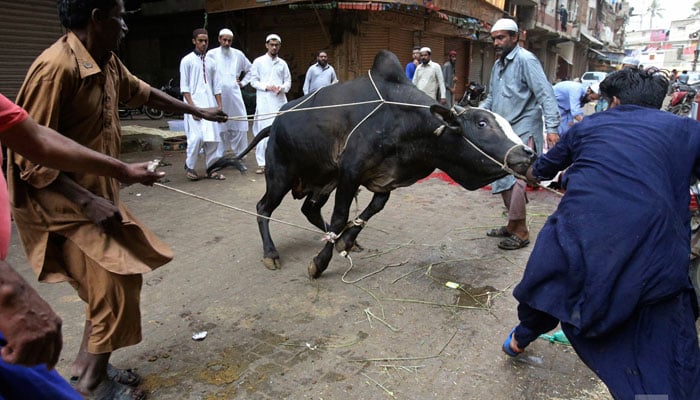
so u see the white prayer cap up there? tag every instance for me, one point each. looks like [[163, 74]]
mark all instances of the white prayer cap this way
[[505, 24], [425, 50], [273, 36], [225, 31], [630, 61], [595, 87]]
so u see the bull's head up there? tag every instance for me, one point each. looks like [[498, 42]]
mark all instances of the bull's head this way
[[488, 133]]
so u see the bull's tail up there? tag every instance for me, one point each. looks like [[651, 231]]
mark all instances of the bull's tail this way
[[260, 136], [235, 162]]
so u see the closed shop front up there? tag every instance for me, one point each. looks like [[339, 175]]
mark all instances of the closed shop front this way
[[26, 29], [375, 38]]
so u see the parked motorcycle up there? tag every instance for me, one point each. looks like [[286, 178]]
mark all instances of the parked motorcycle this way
[[150, 112], [173, 91], [475, 94], [682, 98]]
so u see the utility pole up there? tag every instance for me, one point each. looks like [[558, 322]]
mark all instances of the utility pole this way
[[694, 38]]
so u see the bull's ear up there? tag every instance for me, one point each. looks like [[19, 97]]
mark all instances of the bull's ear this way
[[441, 112], [450, 118]]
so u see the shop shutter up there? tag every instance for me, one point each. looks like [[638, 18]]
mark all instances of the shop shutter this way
[[481, 63], [437, 47], [26, 29], [375, 38]]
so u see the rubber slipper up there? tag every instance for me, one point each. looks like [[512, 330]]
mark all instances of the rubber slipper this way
[[191, 174], [506, 345], [216, 176], [123, 376], [498, 232], [513, 242]]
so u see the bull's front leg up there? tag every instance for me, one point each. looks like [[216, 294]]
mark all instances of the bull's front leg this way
[[347, 238], [343, 199]]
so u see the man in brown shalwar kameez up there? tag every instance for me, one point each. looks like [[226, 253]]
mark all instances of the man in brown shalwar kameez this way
[[73, 226]]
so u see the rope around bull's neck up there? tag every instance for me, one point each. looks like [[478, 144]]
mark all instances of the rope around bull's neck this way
[[382, 101]]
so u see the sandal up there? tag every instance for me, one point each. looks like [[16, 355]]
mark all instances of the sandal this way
[[513, 242], [498, 232], [216, 176], [506, 345], [110, 389], [260, 170], [191, 174], [123, 376]]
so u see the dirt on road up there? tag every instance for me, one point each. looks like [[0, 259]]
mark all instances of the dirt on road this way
[[383, 325]]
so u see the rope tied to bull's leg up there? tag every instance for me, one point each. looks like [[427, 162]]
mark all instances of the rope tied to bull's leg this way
[[332, 236]]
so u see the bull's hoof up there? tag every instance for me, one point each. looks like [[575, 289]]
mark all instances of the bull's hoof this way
[[313, 270], [272, 263]]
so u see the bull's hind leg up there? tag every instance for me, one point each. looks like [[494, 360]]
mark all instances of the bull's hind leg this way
[[347, 239], [274, 194], [312, 210]]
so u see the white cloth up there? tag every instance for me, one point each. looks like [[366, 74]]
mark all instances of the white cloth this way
[[264, 72], [192, 81], [224, 67], [428, 78]]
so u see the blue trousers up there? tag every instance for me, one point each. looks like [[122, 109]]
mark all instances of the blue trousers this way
[[655, 353], [32, 383]]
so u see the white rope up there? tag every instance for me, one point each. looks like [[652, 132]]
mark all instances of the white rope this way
[[263, 116], [218, 203]]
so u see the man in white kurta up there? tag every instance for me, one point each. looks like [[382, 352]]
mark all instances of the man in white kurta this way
[[225, 66], [270, 76], [428, 77], [201, 134]]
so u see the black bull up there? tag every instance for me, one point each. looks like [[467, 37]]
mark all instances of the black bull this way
[[331, 145]]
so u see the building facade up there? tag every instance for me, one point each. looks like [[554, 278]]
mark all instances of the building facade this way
[[568, 36]]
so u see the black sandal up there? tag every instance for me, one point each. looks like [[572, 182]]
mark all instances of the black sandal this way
[[498, 232], [513, 242]]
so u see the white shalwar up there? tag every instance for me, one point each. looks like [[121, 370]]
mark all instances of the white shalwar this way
[[201, 134], [225, 66], [268, 71]]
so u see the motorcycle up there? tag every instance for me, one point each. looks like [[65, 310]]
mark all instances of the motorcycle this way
[[150, 112], [682, 99], [475, 94], [173, 91]]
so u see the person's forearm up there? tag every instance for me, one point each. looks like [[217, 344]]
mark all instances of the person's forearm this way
[[27, 322], [71, 190], [47, 147], [165, 102]]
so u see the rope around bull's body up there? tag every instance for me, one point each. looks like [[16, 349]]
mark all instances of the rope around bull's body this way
[[331, 236]]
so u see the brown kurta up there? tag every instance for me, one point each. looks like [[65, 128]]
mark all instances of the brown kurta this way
[[66, 90]]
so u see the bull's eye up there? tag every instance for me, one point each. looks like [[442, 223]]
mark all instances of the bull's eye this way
[[483, 123]]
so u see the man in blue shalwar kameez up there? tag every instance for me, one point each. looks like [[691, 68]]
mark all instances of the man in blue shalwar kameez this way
[[611, 263]]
